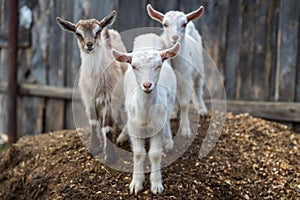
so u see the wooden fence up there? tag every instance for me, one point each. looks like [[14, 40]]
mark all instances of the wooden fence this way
[[255, 44]]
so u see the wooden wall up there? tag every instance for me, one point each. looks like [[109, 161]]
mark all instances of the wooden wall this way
[[255, 44]]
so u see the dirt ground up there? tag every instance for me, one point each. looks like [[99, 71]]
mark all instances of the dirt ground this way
[[253, 159]]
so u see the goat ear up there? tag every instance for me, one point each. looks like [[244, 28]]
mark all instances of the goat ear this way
[[154, 14], [121, 57], [108, 20], [195, 14], [65, 25], [170, 53]]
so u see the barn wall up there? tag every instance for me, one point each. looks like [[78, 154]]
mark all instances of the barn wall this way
[[255, 44]]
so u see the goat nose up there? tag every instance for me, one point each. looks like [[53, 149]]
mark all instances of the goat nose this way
[[175, 37], [147, 85], [89, 44]]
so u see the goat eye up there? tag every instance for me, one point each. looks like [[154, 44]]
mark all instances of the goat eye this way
[[184, 24], [79, 35], [134, 67], [97, 33], [166, 25], [158, 68]]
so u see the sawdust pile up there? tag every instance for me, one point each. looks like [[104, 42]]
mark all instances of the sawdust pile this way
[[253, 159]]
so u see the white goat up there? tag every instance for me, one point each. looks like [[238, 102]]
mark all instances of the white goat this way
[[189, 64], [150, 89], [96, 80]]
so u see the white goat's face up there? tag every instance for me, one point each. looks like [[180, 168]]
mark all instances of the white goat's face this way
[[146, 67], [88, 31], [174, 22], [147, 64]]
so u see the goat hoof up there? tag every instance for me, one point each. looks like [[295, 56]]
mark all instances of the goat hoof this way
[[157, 187], [186, 132], [110, 158], [122, 138], [202, 112], [174, 115], [95, 151], [169, 145], [135, 186]]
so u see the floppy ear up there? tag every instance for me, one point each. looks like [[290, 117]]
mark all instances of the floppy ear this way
[[154, 14], [195, 14], [108, 20], [65, 25], [121, 57], [170, 53]]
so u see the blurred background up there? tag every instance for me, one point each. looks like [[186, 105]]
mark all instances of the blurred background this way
[[254, 43]]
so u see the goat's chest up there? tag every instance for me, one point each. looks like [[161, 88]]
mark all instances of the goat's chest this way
[[138, 108], [145, 108], [93, 86]]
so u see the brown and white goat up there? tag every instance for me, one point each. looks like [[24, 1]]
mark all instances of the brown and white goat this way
[[99, 74]]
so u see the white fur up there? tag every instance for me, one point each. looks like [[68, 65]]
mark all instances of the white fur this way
[[96, 30], [148, 113], [79, 31], [189, 64]]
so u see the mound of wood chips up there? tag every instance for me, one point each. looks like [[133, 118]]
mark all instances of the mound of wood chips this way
[[253, 159]]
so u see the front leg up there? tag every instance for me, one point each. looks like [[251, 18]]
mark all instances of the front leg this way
[[184, 96], [168, 142], [95, 146], [108, 137], [155, 153], [139, 154], [198, 88]]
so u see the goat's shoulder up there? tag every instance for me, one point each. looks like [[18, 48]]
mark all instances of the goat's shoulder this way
[[192, 32], [112, 40]]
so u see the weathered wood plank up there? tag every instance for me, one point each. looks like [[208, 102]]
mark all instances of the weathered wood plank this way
[[213, 34], [46, 91], [297, 98], [3, 113], [30, 115], [24, 35], [232, 48], [3, 98], [246, 50], [271, 57], [23, 39], [3, 64], [31, 110], [260, 75], [297, 125], [99, 9], [287, 50], [3, 87], [72, 54], [132, 14], [4, 15], [55, 70], [281, 111], [212, 26]]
